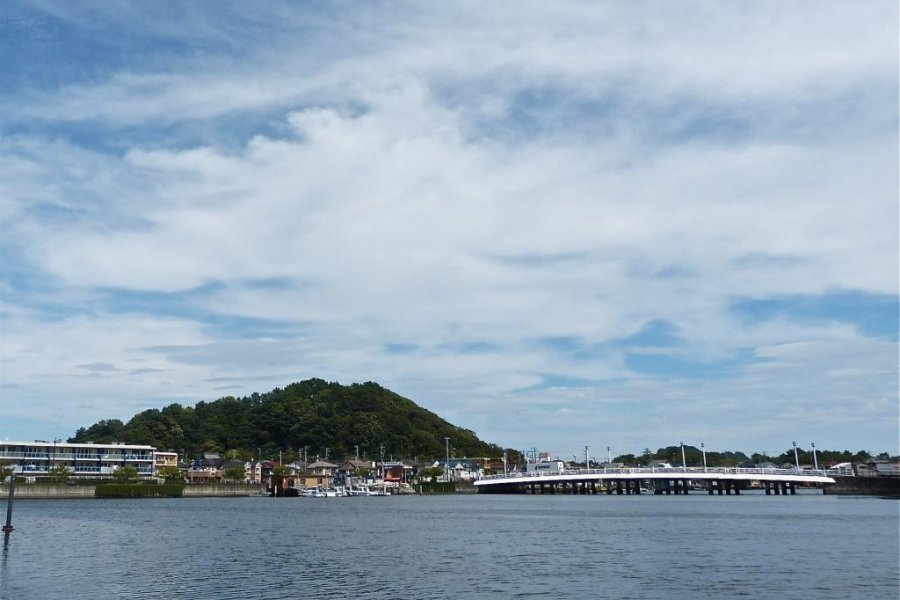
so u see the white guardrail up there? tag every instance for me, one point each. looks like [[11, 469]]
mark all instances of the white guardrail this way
[[675, 471]]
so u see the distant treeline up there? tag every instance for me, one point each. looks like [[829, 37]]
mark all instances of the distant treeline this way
[[694, 457], [314, 414]]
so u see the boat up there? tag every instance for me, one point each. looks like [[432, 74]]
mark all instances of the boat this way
[[365, 490], [320, 492]]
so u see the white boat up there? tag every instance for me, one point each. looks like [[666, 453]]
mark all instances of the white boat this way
[[365, 490], [319, 492]]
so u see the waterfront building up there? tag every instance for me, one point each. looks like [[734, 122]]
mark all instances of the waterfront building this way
[[161, 460], [37, 458]]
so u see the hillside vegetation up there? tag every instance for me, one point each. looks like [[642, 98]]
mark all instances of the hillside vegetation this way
[[313, 413]]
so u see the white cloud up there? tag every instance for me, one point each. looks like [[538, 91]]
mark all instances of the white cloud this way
[[468, 176]]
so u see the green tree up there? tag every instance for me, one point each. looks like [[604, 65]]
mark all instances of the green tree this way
[[6, 470], [171, 474], [126, 475], [280, 470], [430, 473], [59, 473], [237, 473]]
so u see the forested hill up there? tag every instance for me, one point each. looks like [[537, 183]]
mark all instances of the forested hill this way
[[314, 413]]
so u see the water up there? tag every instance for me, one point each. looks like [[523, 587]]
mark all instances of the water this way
[[805, 546]]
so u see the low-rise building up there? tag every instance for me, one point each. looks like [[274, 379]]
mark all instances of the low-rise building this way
[[163, 460], [37, 458]]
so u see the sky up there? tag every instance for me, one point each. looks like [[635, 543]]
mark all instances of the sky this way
[[623, 224]]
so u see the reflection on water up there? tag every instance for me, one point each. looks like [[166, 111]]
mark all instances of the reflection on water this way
[[807, 546]]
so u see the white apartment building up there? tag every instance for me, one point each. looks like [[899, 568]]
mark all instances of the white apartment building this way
[[92, 460]]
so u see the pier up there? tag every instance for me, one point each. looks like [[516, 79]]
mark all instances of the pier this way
[[659, 481]]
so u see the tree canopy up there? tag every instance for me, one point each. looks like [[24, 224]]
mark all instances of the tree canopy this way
[[313, 414]]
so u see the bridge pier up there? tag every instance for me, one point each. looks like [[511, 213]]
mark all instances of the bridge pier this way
[[793, 488]]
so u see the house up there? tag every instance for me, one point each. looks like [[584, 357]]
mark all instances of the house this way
[[164, 460], [253, 470], [211, 459], [321, 467], [353, 466]]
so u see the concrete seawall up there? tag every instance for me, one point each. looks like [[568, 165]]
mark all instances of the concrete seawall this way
[[87, 491], [48, 491], [868, 486], [224, 490]]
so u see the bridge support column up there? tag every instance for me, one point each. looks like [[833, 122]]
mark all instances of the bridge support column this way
[[777, 487], [709, 487], [793, 487], [719, 485], [619, 489], [768, 487], [608, 487], [637, 487], [593, 488]]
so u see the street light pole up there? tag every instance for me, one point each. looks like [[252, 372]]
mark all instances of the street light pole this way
[[683, 461], [447, 460], [703, 448], [608, 457], [815, 460], [587, 459], [796, 458]]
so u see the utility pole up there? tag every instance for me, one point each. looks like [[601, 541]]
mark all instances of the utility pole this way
[[815, 460], [796, 458], [683, 462], [703, 448], [608, 456]]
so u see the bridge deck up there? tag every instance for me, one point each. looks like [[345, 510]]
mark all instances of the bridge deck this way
[[808, 476]]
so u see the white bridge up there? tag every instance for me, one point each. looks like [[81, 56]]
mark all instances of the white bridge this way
[[656, 480]]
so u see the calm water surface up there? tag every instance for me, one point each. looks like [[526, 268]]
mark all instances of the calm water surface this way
[[805, 546]]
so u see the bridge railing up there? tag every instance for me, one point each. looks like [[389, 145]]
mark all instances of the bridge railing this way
[[672, 470]]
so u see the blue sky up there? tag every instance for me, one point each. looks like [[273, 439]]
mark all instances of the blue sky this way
[[605, 224]]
